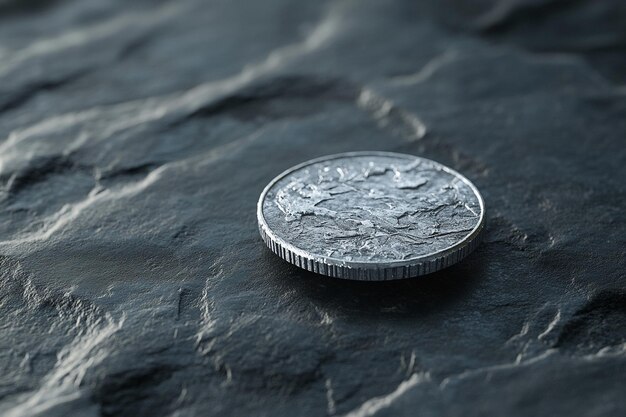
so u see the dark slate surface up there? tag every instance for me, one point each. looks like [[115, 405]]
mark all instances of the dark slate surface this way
[[135, 138]]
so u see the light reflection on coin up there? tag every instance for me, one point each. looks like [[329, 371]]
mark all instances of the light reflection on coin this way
[[371, 216]]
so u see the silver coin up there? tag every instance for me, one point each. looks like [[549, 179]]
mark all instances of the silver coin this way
[[371, 216]]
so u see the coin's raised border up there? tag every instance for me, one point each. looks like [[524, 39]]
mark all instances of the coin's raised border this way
[[371, 271]]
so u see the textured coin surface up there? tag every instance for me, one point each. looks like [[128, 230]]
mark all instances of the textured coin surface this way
[[371, 216]]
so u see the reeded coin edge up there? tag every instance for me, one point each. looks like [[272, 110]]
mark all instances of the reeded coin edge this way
[[370, 271]]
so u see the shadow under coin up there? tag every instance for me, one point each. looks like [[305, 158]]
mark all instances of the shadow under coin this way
[[404, 298]]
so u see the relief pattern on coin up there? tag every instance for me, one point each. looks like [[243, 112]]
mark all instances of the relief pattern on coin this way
[[373, 208]]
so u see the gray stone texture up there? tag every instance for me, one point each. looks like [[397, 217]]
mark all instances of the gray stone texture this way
[[136, 137]]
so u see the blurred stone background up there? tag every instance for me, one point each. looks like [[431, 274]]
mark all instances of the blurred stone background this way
[[135, 138]]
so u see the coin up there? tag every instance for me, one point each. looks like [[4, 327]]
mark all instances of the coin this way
[[371, 216]]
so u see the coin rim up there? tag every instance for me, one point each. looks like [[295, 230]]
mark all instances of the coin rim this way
[[469, 239]]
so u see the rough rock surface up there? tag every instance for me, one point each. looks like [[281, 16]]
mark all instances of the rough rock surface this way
[[135, 138]]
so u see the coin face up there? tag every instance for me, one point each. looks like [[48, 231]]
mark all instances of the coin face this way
[[371, 216]]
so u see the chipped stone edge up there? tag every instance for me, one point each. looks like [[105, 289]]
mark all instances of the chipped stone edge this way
[[371, 271]]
